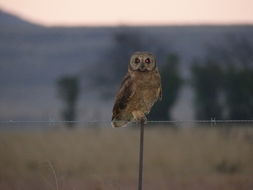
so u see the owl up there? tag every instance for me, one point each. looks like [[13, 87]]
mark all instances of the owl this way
[[139, 90]]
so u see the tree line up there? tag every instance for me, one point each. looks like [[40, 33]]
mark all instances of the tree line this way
[[222, 80]]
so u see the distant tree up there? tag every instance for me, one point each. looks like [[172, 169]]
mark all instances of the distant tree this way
[[207, 81], [171, 83], [68, 90], [227, 72], [239, 92], [236, 57]]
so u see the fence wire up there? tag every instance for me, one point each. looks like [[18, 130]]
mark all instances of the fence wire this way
[[106, 123]]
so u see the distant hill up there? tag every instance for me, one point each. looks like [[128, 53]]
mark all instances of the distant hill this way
[[33, 57], [9, 20]]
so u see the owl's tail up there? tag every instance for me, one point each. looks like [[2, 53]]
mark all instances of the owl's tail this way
[[118, 123], [121, 120]]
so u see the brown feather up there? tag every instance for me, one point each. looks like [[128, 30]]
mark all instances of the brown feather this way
[[160, 96], [125, 93], [159, 90]]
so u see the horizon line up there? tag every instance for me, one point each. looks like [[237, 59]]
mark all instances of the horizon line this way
[[127, 23]]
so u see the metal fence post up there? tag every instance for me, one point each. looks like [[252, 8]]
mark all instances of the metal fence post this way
[[141, 155]]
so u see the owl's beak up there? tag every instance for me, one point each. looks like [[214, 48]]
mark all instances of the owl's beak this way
[[142, 67]]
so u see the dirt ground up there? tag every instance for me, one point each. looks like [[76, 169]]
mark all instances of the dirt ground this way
[[200, 158]]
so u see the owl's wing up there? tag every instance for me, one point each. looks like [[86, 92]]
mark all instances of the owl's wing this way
[[125, 93], [159, 91], [160, 95]]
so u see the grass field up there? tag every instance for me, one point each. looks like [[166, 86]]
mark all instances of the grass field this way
[[107, 159]]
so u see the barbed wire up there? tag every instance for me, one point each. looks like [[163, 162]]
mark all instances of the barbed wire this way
[[106, 123]]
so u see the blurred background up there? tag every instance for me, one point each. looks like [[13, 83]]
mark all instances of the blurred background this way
[[64, 60], [204, 52]]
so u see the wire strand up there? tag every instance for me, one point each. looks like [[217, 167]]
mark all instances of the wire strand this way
[[106, 123]]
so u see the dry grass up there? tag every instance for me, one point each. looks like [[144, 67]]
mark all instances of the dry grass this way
[[101, 159]]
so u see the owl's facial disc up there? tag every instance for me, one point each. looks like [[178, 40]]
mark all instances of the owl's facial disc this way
[[142, 62]]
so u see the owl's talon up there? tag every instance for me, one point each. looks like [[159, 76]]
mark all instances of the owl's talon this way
[[139, 117], [141, 120], [144, 120]]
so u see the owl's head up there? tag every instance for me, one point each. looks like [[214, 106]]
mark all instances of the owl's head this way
[[142, 62]]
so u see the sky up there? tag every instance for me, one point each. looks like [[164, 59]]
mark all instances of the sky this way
[[131, 12]]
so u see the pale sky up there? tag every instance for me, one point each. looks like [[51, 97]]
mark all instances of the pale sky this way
[[131, 12]]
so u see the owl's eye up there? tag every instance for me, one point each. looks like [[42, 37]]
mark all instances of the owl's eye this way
[[147, 60], [137, 60]]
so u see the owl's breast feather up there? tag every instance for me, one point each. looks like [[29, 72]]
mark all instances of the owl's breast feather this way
[[147, 94], [147, 85]]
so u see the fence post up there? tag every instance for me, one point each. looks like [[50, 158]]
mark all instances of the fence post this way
[[141, 154]]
